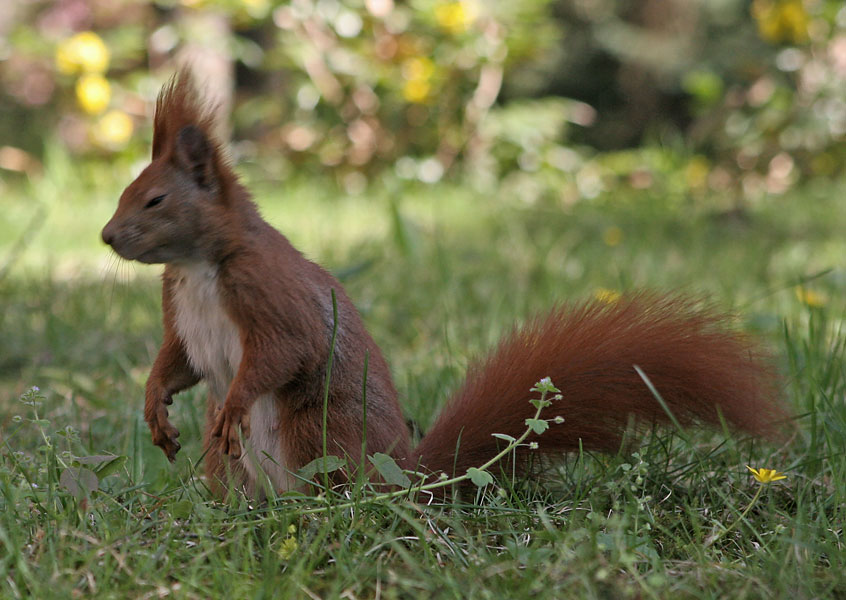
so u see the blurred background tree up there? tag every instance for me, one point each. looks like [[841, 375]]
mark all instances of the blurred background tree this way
[[557, 99]]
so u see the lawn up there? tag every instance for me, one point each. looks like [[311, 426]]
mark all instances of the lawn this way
[[439, 273]]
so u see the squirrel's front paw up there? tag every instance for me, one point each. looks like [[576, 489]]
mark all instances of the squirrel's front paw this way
[[164, 433], [229, 418]]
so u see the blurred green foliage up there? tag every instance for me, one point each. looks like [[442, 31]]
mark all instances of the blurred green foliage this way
[[559, 99]]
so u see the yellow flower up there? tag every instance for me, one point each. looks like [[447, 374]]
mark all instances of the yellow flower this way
[[84, 52], [418, 67], [696, 172], [417, 71], [65, 61], [455, 17], [762, 476], [257, 9], [781, 20], [93, 93], [766, 475], [416, 90], [607, 296], [612, 236], [113, 130], [810, 297], [287, 548]]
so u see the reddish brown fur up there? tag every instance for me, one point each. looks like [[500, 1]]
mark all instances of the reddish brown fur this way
[[279, 301], [188, 210], [698, 365]]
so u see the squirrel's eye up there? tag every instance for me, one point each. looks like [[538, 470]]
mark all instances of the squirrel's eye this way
[[155, 201]]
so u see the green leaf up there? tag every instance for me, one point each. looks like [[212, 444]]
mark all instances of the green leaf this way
[[389, 470], [182, 509], [94, 460], [479, 477], [537, 425], [504, 436], [545, 385], [79, 481], [326, 464], [705, 86], [292, 494], [109, 463], [111, 467], [540, 403]]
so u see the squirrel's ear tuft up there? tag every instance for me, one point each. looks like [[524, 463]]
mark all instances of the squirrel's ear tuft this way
[[193, 153]]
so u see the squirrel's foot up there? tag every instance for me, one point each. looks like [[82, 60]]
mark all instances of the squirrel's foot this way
[[164, 433], [229, 418]]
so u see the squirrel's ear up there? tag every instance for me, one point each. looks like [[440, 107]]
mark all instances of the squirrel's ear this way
[[193, 153]]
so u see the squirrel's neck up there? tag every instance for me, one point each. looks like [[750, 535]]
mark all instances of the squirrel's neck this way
[[234, 226]]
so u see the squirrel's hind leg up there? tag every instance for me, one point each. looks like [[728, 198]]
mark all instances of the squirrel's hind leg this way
[[222, 473]]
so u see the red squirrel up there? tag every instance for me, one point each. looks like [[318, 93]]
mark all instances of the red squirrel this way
[[246, 312]]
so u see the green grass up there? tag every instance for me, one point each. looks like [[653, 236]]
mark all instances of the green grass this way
[[439, 273]]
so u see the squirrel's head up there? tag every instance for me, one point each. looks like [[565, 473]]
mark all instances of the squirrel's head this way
[[166, 214]]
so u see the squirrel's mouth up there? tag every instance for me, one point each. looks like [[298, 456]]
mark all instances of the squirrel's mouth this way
[[131, 245], [127, 252], [152, 256]]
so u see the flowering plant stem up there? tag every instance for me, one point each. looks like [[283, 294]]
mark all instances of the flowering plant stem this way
[[512, 445], [739, 519]]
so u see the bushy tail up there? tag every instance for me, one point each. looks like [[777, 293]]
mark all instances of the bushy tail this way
[[699, 365]]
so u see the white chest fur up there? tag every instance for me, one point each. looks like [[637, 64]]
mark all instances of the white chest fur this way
[[211, 338], [213, 344]]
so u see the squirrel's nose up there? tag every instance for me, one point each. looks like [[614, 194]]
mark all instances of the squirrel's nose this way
[[108, 235]]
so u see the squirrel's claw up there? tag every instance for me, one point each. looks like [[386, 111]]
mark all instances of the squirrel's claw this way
[[226, 428], [164, 433]]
